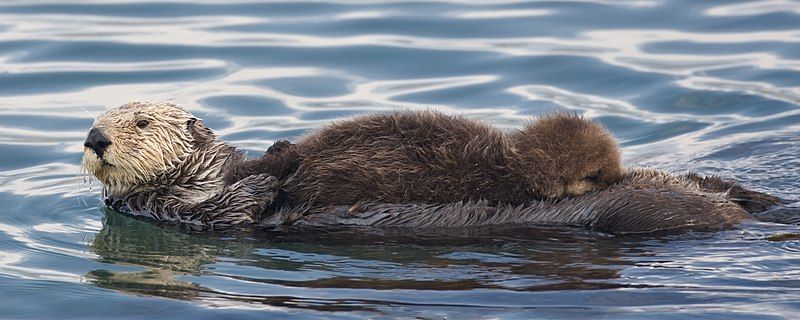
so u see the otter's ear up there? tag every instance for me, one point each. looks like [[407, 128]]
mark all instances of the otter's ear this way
[[199, 131]]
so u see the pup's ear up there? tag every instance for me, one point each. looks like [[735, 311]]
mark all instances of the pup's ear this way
[[199, 131]]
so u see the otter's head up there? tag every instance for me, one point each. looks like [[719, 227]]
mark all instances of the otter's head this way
[[132, 144], [567, 155]]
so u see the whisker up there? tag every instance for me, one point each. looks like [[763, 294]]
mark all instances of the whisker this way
[[78, 177], [89, 113], [83, 199], [85, 182]]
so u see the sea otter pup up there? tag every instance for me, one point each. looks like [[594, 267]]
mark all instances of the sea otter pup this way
[[157, 160], [431, 157]]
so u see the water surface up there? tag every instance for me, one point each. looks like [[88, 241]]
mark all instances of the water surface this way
[[712, 87]]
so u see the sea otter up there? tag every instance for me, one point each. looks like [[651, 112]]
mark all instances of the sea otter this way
[[431, 157], [158, 160]]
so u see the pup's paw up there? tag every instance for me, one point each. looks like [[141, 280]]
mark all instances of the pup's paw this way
[[279, 146]]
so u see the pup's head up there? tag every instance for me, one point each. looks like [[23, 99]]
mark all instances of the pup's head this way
[[134, 143], [567, 155]]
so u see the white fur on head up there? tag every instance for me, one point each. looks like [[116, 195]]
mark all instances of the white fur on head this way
[[139, 155]]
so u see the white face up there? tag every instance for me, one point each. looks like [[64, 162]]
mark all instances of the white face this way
[[144, 140]]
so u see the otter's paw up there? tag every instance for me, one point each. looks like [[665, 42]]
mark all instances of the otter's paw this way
[[247, 199], [263, 187], [279, 146]]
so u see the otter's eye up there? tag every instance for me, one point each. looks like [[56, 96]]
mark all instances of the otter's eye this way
[[142, 124], [593, 178]]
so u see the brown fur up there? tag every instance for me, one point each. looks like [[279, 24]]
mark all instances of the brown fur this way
[[436, 158], [281, 160], [749, 200], [644, 201], [564, 155], [418, 170], [402, 157]]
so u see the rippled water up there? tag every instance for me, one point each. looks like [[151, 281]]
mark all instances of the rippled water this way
[[685, 85]]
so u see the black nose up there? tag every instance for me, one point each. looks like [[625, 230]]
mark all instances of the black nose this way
[[97, 142]]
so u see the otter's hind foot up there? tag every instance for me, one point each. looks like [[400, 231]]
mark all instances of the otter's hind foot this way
[[750, 200]]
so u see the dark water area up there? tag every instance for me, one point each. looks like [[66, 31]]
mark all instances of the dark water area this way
[[706, 86]]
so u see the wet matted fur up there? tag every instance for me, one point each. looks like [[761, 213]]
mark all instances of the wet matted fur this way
[[433, 157], [644, 201], [207, 183]]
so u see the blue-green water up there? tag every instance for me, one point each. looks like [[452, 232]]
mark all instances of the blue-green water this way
[[705, 86]]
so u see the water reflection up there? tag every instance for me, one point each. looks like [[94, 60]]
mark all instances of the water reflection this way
[[523, 259]]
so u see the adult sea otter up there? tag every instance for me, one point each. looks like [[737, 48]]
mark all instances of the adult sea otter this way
[[405, 169]]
